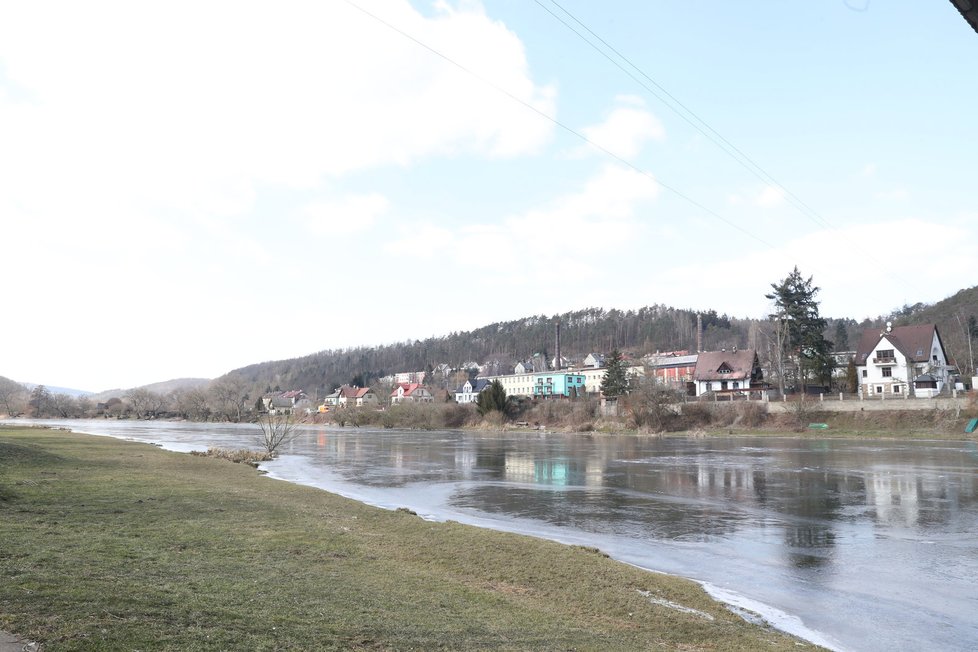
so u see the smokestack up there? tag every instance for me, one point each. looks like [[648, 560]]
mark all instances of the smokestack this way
[[557, 364], [699, 333]]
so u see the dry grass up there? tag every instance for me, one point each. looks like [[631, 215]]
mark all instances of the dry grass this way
[[240, 455], [115, 545]]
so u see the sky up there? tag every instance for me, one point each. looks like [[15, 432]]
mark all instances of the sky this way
[[191, 187]]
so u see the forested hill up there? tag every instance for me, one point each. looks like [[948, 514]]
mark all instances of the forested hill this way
[[503, 344], [635, 332], [957, 320]]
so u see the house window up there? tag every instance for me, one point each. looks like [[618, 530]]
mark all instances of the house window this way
[[864, 373], [879, 389], [887, 372], [896, 389]]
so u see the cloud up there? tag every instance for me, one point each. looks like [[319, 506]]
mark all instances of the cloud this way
[[888, 280], [194, 106], [896, 194], [149, 154], [769, 196], [344, 215], [539, 242], [625, 130]]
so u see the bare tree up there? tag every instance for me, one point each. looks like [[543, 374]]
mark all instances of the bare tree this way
[[140, 400], [64, 406], [13, 397], [651, 405], [276, 429], [85, 406], [40, 402], [190, 403], [229, 398]]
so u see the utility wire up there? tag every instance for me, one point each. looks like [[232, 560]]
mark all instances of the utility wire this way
[[684, 112], [696, 122], [563, 126]]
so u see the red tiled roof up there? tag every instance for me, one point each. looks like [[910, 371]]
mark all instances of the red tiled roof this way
[[408, 388]]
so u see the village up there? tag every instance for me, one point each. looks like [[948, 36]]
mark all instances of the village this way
[[899, 362]]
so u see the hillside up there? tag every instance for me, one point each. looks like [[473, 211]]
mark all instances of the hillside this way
[[164, 388], [952, 316], [501, 345], [635, 332]]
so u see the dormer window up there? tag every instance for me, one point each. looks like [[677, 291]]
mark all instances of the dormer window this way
[[724, 369]]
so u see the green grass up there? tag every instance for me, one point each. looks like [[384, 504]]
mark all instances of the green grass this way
[[114, 545]]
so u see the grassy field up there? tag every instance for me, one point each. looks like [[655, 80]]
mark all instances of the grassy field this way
[[114, 545]]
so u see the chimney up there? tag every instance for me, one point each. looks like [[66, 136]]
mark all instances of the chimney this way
[[699, 333], [557, 364]]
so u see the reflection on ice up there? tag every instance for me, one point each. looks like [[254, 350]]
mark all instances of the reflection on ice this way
[[850, 544]]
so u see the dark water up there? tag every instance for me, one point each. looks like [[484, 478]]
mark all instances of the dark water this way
[[861, 545]]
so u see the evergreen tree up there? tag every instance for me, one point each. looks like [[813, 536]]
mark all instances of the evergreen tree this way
[[615, 381], [796, 308], [852, 377], [493, 399], [841, 336]]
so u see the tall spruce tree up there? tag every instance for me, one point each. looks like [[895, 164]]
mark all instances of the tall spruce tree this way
[[615, 381], [796, 310], [493, 399]]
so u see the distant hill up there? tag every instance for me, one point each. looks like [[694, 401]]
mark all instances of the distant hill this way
[[164, 387], [59, 390]]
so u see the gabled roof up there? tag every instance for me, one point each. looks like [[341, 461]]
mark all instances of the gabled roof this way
[[741, 365], [661, 362], [409, 388], [478, 385], [914, 342], [353, 392]]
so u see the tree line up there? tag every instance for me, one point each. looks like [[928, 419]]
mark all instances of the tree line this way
[[499, 346]]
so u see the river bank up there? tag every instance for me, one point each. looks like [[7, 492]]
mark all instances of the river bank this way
[[116, 544]]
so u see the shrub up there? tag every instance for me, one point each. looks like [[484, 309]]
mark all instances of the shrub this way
[[751, 413], [697, 415], [236, 455]]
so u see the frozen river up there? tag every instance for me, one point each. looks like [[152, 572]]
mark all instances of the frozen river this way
[[855, 544]]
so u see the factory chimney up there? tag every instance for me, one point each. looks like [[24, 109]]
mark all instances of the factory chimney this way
[[557, 364], [699, 333]]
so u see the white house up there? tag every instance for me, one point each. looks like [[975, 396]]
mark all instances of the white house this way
[[347, 396], [469, 392], [730, 372], [594, 360], [888, 362], [285, 402], [411, 392]]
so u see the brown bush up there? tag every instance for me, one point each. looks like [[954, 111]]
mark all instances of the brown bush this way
[[696, 415], [751, 413], [237, 456]]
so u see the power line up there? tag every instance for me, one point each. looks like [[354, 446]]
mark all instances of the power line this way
[[563, 126], [684, 112], [703, 127]]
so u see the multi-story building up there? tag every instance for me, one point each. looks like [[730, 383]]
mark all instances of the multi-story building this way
[[901, 359]]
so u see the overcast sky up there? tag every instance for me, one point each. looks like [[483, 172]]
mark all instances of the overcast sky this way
[[190, 187]]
